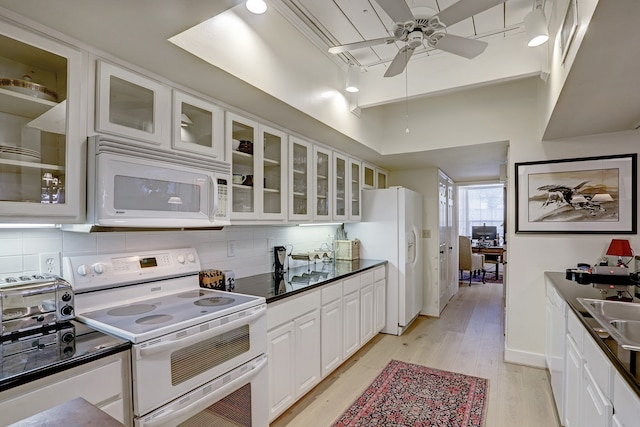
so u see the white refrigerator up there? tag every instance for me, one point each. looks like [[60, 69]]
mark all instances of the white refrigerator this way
[[391, 229]]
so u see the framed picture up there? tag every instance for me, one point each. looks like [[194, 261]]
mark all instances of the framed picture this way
[[569, 26], [585, 195]]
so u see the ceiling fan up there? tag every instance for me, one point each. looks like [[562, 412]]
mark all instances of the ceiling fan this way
[[417, 29]]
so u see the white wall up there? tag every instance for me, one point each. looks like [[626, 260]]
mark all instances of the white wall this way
[[20, 248]]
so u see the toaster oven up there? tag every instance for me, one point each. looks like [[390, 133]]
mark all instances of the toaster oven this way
[[31, 302]]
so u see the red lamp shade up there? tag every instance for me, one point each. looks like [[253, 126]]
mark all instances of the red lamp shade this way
[[620, 247]]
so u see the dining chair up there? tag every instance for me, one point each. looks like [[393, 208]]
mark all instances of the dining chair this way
[[469, 261]]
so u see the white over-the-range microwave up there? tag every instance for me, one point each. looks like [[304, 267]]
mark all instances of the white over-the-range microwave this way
[[134, 186]]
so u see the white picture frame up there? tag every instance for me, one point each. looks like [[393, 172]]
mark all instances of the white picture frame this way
[[568, 30]]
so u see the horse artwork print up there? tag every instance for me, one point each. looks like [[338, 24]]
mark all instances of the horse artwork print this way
[[588, 195]]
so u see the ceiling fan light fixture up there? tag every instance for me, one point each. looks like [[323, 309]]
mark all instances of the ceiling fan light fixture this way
[[536, 26], [256, 6], [353, 79]]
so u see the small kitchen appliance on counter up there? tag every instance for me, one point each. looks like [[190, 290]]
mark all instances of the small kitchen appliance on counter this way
[[279, 256], [195, 351], [33, 302]]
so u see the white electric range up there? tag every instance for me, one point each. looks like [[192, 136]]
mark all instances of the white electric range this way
[[185, 338]]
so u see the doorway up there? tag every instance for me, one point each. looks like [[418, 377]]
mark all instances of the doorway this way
[[482, 207]]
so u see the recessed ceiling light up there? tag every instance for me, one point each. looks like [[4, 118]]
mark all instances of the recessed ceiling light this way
[[256, 6]]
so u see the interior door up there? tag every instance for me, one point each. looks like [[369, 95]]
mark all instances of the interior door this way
[[443, 251]]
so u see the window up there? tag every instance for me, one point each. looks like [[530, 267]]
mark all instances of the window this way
[[480, 205]]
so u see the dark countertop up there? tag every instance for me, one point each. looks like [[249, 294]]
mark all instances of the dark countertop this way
[[42, 353], [74, 413], [301, 279], [619, 357]]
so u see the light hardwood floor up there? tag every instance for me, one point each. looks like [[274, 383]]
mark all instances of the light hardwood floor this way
[[467, 338]]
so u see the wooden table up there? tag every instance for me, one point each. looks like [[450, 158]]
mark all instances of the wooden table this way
[[493, 252]]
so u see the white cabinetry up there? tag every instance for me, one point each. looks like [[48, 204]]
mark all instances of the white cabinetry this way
[[323, 188], [307, 329], [281, 357], [340, 187], [197, 126], [131, 105], [355, 191], [381, 178], [113, 395], [351, 316], [311, 334], [41, 128], [556, 338], [258, 157], [380, 297], [293, 349], [331, 328], [367, 307], [368, 176], [625, 402], [300, 180]]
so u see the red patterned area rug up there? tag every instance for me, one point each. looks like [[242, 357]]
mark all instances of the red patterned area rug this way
[[405, 394]]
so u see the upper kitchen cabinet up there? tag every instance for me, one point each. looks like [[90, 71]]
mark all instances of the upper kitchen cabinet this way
[[198, 126], [258, 156], [368, 176], [322, 176], [381, 178], [300, 179], [340, 187], [131, 105], [355, 190], [41, 135]]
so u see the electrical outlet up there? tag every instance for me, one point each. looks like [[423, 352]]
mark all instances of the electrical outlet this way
[[426, 234], [50, 263], [231, 248]]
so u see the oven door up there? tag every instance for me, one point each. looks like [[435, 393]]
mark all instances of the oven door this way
[[170, 366], [237, 398]]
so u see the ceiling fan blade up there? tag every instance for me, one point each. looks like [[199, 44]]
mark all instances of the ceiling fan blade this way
[[399, 62], [358, 45], [463, 9], [398, 10], [468, 48]]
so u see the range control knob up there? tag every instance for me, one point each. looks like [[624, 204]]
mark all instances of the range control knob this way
[[82, 270], [180, 259], [191, 257], [98, 268], [66, 297], [68, 337], [66, 311]]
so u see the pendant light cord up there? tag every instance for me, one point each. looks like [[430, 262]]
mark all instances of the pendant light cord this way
[[406, 91]]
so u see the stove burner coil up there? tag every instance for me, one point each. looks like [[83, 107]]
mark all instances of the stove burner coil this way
[[213, 301], [154, 319], [131, 310]]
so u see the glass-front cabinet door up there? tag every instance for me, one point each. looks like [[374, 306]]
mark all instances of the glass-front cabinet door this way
[[300, 182], [131, 105], [274, 200], [198, 126], [356, 187], [368, 176], [340, 187], [243, 136], [322, 176], [41, 111], [381, 180]]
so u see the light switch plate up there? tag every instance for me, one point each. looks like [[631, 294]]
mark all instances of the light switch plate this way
[[231, 248]]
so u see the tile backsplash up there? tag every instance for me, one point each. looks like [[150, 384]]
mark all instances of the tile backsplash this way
[[252, 252]]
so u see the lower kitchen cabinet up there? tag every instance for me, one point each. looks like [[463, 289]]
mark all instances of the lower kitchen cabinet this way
[[312, 333], [281, 357], [105, 383], [307, 353], [331, 328], [380, 297], [626, 404], [351, 316], [573, 384]]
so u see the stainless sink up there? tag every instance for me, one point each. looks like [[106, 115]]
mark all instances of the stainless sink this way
[[620, 319]]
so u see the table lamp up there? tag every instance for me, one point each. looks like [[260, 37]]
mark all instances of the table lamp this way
[[620, 248]]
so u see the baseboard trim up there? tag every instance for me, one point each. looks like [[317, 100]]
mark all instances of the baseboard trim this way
[[524, 358]]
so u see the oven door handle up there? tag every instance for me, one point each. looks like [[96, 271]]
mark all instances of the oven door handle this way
[[179, 343], [169, 417]]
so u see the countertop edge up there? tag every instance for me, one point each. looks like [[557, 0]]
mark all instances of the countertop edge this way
[[325, 282], [577, 309]]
